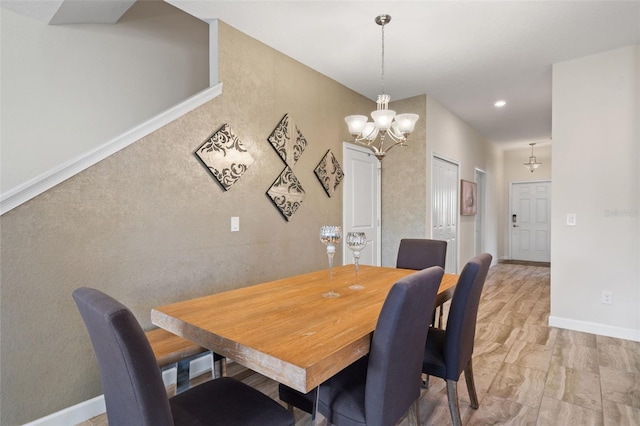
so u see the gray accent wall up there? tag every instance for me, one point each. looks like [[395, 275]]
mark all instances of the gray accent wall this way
[[150, 226]]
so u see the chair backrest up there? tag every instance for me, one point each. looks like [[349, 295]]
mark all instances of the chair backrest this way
[[131, 380], [421, 253], [461, 323], [397, 347]]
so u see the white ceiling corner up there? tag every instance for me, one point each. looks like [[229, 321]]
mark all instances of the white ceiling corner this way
[[59, 12]]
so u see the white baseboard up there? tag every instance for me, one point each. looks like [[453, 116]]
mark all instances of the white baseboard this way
[[595, 328], [94, 407], [200, 366], [170, 377], [73, 415]]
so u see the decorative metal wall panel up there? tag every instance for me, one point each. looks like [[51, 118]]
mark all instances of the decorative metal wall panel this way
[[225, 156], [329, 173], [288, 141], [286, 193]]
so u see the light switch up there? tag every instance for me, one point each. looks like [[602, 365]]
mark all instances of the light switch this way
[[235, 224], [571, 219]]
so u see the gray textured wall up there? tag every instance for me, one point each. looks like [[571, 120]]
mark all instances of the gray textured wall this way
[[149, 225], [404, 185]]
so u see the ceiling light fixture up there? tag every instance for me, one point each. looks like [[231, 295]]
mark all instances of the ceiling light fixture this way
[[500, 104], [386, 125], [532, 164]]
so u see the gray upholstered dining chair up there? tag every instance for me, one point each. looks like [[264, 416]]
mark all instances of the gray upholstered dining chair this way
[[448, 352], [421, 253], [132, 384], [379, 388]]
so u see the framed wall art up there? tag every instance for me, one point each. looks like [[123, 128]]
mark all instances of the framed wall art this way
[[288, 141], [286, 193], [224, 156], [468, 198], [329, 173]]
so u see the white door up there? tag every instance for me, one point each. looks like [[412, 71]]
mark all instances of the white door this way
[[361, 202], [444, 206], [530, 221], [479, 218]]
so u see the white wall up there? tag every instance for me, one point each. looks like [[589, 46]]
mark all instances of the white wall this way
[[596, 152], [151, 63]]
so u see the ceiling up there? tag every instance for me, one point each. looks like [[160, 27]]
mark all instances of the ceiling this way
[[58, 12], [466, 55]]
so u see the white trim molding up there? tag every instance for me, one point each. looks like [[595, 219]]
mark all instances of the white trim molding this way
[[73, 415], [91, 408], [24, 192], [595, 328], [36, 186]]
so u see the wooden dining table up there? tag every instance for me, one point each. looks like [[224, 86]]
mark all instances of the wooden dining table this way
[[285, 329]]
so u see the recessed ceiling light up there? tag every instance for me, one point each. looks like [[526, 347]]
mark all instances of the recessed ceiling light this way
[[500, 104]]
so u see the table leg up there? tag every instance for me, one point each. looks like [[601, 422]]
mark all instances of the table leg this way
[[317, 417]]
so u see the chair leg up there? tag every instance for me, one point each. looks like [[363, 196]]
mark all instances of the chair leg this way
[[425, 381], [413, 416], [454, 408], [471, 386]]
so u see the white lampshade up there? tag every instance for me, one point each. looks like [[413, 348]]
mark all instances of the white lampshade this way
[[356, 123], [383, 118], [532, 164], [406, 122], [370, 131]]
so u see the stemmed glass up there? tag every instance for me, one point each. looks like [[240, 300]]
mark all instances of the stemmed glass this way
[[330, 235], [356, 241]]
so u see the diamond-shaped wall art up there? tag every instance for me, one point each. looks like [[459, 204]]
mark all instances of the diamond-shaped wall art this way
[[329, 173], [288, 141], [286, 193], [224, 156]]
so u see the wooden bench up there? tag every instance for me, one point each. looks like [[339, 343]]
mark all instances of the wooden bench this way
[[170, 348]]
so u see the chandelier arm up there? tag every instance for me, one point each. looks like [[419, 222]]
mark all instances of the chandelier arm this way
[[372, 147], [395, 137], [392, 146]]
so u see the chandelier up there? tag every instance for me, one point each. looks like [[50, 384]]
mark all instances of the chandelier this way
[[387, 129], [532, 164]]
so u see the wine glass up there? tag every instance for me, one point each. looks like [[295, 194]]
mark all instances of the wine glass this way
[[356, 241], [330, 235]]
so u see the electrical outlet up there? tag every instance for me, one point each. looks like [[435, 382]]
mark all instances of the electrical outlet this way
[[607, 297], [235, 224]]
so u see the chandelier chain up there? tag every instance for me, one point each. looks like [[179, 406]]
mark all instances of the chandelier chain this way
[[382, 67]]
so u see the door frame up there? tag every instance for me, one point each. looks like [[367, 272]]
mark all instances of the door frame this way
[[378, 254], [482, 211], [508, 218]]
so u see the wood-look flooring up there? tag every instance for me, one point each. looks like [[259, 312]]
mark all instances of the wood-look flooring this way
[[526, 372]]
